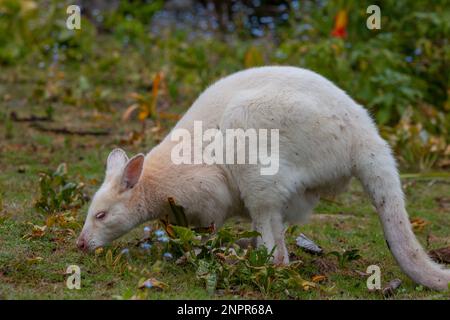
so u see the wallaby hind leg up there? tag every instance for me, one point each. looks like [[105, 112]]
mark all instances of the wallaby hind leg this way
[[278, 239], [281, 255], [269, 223]]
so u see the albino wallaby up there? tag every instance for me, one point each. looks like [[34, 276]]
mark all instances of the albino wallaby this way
[[325, 138]]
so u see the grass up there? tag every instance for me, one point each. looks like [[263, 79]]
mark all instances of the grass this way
[[35, 268], [347, 222]]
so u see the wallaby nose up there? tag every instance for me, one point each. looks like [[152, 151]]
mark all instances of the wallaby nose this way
[[81, 243]]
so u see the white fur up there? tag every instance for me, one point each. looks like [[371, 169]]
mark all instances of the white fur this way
[[325, 139]]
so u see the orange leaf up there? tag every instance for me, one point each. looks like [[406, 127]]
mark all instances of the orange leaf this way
[[156, 82], [318, 278], [143, 114], [418, 224], [168, 227]]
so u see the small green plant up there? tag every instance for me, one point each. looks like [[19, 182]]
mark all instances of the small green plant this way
[[219, 263], [346, 256], [49, 112], [57, 193], [112, 261]]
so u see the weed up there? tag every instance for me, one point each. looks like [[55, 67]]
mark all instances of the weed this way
[[57, 193]]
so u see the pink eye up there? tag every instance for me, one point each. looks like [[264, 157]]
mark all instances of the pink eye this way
[[100, 215]]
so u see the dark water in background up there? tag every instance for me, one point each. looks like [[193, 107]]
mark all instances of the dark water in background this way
[[206, 18], [258, 17]]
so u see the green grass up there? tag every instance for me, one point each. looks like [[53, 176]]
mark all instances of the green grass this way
[[347, 222]]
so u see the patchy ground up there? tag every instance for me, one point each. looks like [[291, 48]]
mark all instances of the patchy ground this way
[[36, 247]]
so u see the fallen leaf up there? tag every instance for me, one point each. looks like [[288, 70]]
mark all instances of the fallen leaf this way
[[168, 227], [308, 245], [318, 278], [34, 260], [307, 285], [418, 224], [393, 285], [129, 111], [36, 232], [441, 255]]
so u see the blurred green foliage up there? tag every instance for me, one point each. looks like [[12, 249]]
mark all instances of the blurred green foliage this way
[[400, 72], [57, 193]]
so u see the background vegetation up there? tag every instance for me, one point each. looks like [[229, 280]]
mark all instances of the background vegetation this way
[[69, 96]]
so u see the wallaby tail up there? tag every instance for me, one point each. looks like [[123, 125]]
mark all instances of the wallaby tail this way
[[376, 169]]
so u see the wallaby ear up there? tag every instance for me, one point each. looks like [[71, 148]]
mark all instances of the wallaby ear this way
[[117, 160], [132, 171]]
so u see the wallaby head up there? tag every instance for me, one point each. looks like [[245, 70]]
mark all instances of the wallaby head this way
[[114, 207]]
